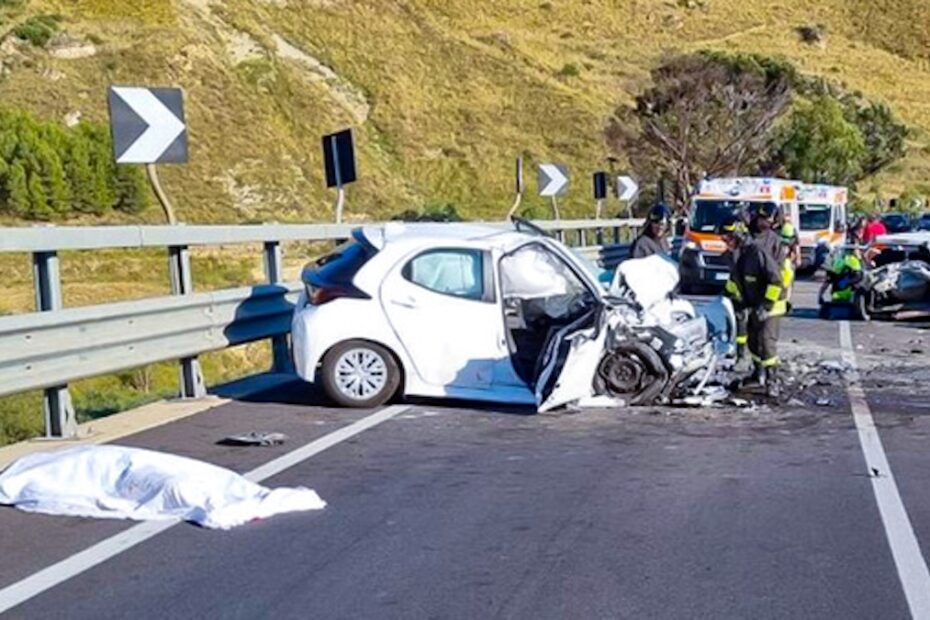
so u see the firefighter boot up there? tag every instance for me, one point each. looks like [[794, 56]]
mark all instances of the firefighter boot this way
[[742, 359], [772, 389], [756, 381]]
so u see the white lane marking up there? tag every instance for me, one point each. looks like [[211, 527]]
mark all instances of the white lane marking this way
[[78, 563], [912, 568]]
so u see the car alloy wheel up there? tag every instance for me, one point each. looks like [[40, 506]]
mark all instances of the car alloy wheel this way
[[360, 374]]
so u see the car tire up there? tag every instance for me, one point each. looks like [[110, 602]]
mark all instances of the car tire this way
[[360, 374]]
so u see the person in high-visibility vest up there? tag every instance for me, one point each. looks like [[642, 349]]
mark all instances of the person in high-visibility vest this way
[[842, 278], [757, 281], [791, 248]]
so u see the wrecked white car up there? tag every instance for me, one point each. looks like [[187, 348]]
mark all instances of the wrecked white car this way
[[895, 290], [482, 313]]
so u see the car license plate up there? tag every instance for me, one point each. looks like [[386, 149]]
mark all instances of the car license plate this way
[[720, 276]]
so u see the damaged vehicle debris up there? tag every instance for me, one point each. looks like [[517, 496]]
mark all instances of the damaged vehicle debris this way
[[896, 291], [896, 287], [483, 313]]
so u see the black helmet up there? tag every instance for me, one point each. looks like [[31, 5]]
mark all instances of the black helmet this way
[[731, 225], [659, 213], [767, 210]]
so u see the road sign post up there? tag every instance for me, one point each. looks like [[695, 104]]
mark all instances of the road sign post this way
[[518, 188], [600, 192], [147, 125], [148, 128], [553, 182], [339, 161]]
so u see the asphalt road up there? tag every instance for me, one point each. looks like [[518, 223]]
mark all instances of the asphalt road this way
[[450, 510]]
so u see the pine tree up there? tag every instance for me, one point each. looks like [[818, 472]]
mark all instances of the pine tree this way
[[17, 191], [132, 191], [80, 176], [57, 192], [39, 207]]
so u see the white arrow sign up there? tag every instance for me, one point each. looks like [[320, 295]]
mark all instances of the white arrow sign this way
[[553, 179], [163, 126], [626, 188]]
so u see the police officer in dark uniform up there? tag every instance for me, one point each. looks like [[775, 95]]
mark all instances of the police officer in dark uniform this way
[[653, 238], [756, 280]]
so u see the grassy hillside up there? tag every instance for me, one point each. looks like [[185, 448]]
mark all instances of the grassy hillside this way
[[442, 94]]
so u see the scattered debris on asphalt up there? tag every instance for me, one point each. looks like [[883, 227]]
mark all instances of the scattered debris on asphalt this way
[[254, 439]]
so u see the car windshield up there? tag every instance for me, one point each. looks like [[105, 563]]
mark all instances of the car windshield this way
[[814, 217], [707, 215]]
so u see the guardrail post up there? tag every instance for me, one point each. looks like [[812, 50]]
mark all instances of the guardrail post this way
[[60, 420], [599, 236], [190, 376], [274, 271]]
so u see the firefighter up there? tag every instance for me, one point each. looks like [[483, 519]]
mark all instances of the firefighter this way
[[757, 281], [653, 238], [763, 229], [734, 231]]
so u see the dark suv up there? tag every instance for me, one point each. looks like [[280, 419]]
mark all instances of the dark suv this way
[[923, 222], [897, 222]]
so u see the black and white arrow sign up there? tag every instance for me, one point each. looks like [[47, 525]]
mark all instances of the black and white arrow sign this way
[[626, 188], [148, 125], [553, 179]]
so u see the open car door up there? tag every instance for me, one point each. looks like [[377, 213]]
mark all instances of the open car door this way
[[570, 363], [554, 316]]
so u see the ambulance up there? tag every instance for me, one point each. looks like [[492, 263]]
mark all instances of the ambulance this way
[[821, 221], [703, 263]]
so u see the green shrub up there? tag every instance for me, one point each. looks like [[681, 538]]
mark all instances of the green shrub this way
[[569, 70], [50, 172], [38, 30]]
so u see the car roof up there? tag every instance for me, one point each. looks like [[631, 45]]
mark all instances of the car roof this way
[[437, 233]]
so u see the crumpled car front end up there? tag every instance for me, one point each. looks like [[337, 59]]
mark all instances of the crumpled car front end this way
[[644, 346]]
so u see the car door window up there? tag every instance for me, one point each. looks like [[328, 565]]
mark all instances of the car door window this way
[[455, 272]]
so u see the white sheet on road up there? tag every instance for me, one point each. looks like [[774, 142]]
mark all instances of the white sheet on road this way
[[114, 482]]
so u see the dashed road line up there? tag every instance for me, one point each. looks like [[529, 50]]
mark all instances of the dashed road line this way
[[57, 573], [908, 559]]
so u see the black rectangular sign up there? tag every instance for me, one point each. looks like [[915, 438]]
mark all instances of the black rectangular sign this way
[[600, 185], [339, 157]]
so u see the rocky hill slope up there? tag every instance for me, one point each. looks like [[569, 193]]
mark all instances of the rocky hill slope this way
[[442, 94]]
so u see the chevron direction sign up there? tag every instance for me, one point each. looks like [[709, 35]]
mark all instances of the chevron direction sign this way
[[626, 188], [148, 125], [553, 179]]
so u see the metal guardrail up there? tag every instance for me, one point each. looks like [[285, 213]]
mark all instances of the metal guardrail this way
[[53, 346], [46, 349], [59, 238]]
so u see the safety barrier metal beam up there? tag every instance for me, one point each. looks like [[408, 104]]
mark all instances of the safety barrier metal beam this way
[[59, 238], [55, 345], [46, 349]]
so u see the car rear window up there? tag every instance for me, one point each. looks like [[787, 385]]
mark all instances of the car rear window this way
[[341, 265]]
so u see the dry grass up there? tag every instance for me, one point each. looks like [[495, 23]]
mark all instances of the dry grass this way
[[456, 89]]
